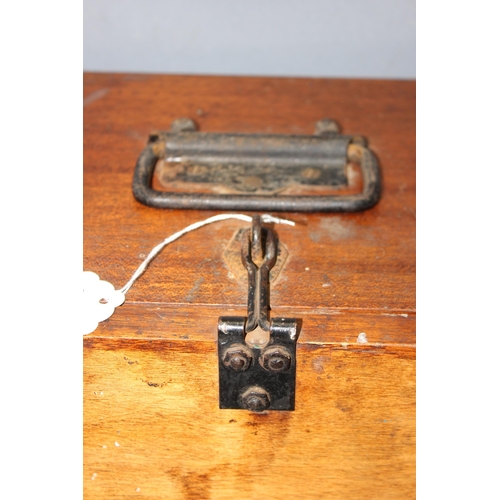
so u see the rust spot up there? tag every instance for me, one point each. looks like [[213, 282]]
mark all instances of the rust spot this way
[[251, 182], [159, 150], [196, 170]]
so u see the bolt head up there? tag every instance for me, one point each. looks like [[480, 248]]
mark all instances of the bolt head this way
[[276, 359], [256, 399], [238, 358]]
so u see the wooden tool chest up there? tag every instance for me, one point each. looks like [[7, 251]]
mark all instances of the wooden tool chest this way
[[152, 424]]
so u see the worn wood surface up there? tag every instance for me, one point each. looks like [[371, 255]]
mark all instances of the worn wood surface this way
[[152, 427]]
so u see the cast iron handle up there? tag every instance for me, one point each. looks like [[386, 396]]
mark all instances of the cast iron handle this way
[[284, 148]]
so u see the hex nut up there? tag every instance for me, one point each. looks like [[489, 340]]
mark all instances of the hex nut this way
[[238, 357], [276, 359], [255, 398]]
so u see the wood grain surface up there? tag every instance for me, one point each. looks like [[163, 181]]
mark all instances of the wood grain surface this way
[[152, 427]]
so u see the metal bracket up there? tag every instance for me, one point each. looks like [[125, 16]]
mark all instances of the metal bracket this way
[[251, 171], [257, 356]]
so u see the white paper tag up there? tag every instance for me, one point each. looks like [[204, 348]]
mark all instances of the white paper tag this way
[[99, 301]]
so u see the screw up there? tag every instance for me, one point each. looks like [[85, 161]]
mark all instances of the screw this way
[[255, 398], [238, 357], [276, 359]]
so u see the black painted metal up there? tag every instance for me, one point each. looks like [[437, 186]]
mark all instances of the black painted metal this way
[[233, 384], [252, 378], [258, 239], [275, 160]]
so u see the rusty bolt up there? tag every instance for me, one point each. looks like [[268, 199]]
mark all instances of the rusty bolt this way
[[276, 359], [154, 137], [326, 127], [183, 125], [359, 139], [255, 398], [238, 357]]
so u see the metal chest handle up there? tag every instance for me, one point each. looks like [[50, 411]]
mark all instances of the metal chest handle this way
[[156, 149]]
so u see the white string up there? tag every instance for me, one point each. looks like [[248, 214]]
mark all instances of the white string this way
[[216, 218]]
